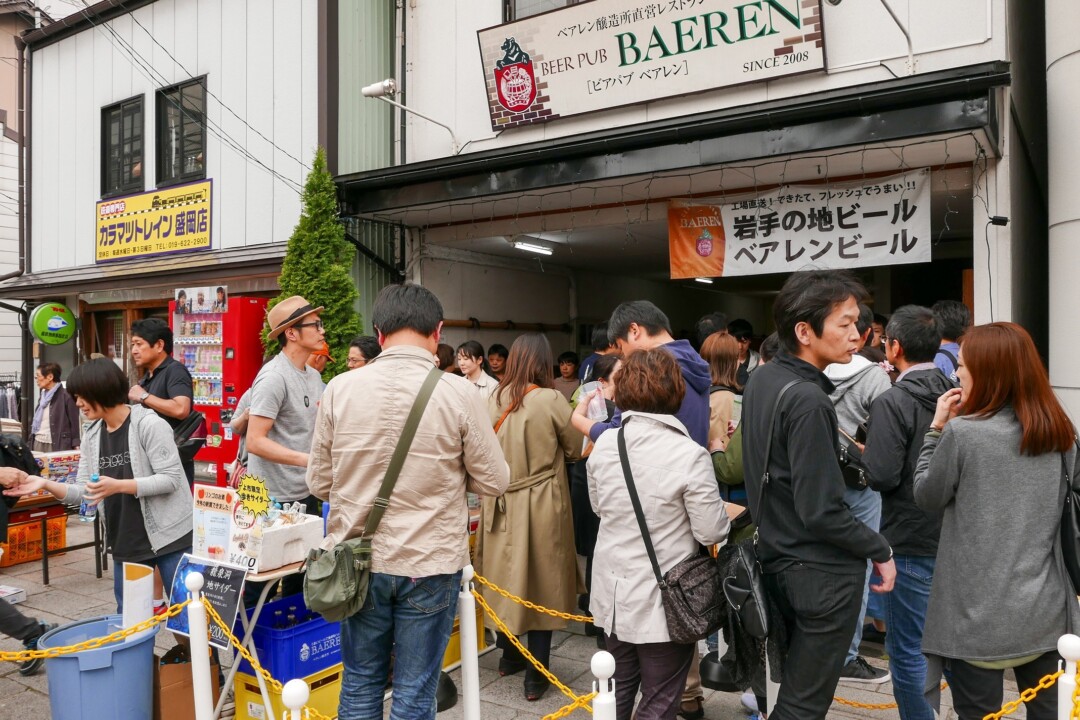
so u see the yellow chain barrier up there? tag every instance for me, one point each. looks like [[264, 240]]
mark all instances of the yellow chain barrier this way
[[532, 606], [1075, 715], [1027, 696], [94, 643], [872, 706], [528, 655], [581, 702]]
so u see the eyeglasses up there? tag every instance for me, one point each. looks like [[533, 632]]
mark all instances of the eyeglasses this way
[[885, 339], [318, 325]]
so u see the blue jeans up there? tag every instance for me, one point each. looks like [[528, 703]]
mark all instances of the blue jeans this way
[[414, 618], [166, 565], [865, 505], [905, 610]]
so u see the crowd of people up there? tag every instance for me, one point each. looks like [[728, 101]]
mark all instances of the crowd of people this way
[[894, 475]]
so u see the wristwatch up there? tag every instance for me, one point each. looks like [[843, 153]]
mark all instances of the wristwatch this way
[[142, 400]]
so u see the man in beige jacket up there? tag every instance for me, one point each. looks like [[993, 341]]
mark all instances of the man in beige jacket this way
[[421, 545]]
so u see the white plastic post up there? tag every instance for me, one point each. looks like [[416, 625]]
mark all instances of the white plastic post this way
[[470, 660], [1069, 649], [603, 667], [200, 649], [294, 696]]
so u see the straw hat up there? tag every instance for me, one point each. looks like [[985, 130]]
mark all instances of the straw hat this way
[[287, 313]]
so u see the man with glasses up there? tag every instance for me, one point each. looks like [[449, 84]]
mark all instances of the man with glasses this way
[[284, 401]]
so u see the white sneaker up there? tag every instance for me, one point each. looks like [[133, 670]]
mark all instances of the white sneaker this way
[[749, 701]]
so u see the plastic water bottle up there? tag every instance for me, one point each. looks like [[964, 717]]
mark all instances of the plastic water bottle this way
[[88, 510]]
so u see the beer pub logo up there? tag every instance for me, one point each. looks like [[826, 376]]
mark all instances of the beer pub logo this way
[[515, 81]]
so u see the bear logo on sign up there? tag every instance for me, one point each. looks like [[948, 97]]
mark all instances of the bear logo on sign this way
[[515, 81]]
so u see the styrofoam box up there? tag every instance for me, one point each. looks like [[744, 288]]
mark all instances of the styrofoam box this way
[[288, 544], [13, 595]]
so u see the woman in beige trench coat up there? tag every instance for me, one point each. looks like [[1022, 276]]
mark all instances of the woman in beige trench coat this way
[[525, 542]]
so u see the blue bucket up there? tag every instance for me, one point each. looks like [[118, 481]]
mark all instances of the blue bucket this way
[[113, 682]]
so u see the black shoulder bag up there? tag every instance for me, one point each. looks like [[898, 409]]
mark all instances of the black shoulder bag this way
[[336, 581], [744, 590], [690, 591]]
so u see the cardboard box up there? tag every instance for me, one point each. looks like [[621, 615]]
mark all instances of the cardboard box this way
[[325, 688], [174, 691]]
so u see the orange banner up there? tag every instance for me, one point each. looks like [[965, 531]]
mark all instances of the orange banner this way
[[695, 240]]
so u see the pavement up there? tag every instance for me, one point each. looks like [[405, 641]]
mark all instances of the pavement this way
[[74, 593]]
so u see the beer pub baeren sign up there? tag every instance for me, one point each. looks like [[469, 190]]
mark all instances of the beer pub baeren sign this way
[[609, 53]]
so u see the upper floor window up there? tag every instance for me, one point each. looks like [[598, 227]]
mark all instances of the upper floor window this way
[[517, 9], [122, 147], [181, 136]]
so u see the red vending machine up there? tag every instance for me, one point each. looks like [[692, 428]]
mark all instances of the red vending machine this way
[[217, 338]]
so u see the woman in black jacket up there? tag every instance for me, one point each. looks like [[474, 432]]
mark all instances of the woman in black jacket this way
[[56, 419]]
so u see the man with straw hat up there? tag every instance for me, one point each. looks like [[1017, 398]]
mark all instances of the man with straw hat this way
[[284, 401]]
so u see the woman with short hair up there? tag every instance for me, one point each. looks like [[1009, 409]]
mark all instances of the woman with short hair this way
[[525, 543], [56, 424], [992, 466], [682, 508], [141, 489]]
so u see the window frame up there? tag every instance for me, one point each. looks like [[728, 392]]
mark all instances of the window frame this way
[[135, 185], [510, 10], [160, 104]]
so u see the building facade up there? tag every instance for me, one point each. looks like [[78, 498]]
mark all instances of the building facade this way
[[588, 129]]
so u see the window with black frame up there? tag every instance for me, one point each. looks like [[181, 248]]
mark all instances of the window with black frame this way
[[122, 147], [518, 9], [181, 136]]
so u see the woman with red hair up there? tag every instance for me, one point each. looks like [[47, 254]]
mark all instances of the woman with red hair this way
[[992, 466]]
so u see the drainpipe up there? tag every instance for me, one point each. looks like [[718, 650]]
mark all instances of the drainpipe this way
[[20, 113]]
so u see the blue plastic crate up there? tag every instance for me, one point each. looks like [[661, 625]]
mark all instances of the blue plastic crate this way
[[293, 652]]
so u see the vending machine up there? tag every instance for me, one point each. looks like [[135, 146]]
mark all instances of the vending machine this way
[[217, 338]]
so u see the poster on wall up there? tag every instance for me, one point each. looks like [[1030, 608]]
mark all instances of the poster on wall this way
[[160, 222], [207, 299], [609, 53], [884, 221]]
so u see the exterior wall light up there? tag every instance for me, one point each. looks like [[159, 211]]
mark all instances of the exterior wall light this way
[[380, 90]]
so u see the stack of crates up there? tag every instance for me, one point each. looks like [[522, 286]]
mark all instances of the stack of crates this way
[[309, 648], [24, 534]]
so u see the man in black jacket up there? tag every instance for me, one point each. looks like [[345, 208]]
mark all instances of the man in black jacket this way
[[899, 419], [812, 549]]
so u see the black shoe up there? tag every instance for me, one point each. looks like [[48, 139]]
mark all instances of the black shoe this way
[[535, 689], [30, 667], [871, 634], [860, 671], [510, 667], [692, 709]]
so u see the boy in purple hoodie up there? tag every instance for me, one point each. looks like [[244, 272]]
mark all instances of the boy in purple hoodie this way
[[640, 325]]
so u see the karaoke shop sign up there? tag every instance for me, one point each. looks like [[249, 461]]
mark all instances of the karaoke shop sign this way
[[610, 53], [885, 221]]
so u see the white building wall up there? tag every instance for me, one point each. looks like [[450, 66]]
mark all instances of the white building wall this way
[[445, 78], [10, 334], [259, 59]]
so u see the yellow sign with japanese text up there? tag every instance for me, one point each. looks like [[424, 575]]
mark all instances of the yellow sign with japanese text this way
[[159, 222]]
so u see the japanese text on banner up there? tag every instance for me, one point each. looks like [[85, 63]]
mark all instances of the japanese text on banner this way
[[885, 221], [169, 220]]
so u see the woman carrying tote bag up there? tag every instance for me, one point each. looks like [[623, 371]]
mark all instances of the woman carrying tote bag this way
[[682, 508], [991, 465]]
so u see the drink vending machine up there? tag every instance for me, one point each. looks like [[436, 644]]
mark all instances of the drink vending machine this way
[[219, 343]]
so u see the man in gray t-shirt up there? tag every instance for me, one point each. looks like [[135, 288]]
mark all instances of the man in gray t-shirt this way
[[290, 398], [284, 402]]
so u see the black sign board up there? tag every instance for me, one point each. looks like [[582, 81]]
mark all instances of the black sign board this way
[[222, 586]]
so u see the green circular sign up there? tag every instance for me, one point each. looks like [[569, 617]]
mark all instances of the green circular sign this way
[[52, 323]]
